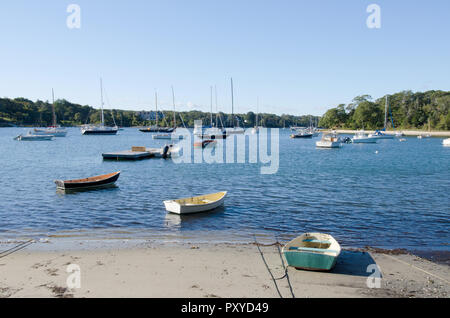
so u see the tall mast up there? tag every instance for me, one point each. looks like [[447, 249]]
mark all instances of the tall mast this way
[[174, 119], [101, 101], [156, 105], [385, 112], [210, 114], [217, 112], [53, 108], [257, 111], [232, 103]]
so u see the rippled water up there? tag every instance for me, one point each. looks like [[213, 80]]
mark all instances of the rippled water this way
[[396, 198]]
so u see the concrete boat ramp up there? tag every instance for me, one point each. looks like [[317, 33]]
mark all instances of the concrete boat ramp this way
[[139, 153]]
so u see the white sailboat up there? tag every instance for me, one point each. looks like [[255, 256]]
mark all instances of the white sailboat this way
[[380, 134], [172, 134], [234, 129], [99, 129], [54, 130]]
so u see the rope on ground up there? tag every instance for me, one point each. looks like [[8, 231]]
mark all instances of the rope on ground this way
[[267, 266], [285, 271], [286, 275], [413, 266], [16, 248]]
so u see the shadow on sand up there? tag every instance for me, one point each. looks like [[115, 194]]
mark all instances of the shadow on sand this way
[[354, 263]]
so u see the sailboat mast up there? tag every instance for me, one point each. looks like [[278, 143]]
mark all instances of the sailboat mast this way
[[174, 118], [217, 111], [156, 105], [210, 114], [53, 108], [101, 101], [257, 112], [232, 103], [385, 112]]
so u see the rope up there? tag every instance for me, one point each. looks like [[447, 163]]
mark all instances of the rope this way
[[268, 269], [285, 271], [16, 248]]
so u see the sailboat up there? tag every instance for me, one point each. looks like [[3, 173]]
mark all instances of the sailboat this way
[[171, 134], [379, 134], [54, 130], [233, 130], [156, 128], [213, 131], [255, 129], [99, 129]]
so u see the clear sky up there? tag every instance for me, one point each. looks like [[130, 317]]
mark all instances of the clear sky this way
[[299, 57]]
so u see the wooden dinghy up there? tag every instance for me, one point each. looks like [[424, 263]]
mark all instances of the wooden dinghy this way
[[92, 182], [312, 251], [197, 204]]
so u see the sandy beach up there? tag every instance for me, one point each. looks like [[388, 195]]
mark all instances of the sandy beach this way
[[213, 270]]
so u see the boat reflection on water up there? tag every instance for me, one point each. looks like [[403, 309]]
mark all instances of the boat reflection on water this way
[[173, 221], [108, 187]]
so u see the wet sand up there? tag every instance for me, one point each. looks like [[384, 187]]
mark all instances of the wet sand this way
[[212, 270]]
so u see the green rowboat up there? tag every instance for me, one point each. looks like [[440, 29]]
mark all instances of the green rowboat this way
[[312, 251]]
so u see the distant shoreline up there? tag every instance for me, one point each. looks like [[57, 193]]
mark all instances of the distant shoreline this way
[[408, 132]]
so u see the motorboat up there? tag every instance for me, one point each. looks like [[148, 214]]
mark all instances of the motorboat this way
[[32, 137], [361, 138], [329, 140]]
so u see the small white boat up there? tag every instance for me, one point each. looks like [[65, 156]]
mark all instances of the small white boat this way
[[361, 138], [399, 134], [50, 131], [446, 142], [402, 139], [329, 140], [196, 204], [31, 137]]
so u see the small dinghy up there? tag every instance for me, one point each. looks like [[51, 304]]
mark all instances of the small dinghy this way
[[312, 251], [92, 182], [31, 137], [197, 204]]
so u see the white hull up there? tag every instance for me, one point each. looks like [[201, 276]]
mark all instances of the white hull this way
[[367, 140], [446, 142], [174, 206], [167, 136], [381, 137], [328, 144], [33, 138], [55, 132]]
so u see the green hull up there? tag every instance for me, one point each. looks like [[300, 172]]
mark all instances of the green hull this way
[[311, 261]]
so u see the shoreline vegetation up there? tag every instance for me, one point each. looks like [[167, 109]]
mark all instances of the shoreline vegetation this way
[[214, 270], [422, 111]]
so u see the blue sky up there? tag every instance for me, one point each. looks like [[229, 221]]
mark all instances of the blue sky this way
[[299, 57]]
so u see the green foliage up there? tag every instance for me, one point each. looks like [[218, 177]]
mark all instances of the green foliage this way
[[427, 110], [21, 111]]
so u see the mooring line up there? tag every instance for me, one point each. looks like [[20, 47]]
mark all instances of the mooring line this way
[[268, 269], [16, 248], [422, 270]]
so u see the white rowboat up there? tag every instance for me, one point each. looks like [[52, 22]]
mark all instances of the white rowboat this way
[[196, 204]]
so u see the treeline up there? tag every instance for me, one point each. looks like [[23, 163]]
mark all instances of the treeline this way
[[427, 110], [24, 112]]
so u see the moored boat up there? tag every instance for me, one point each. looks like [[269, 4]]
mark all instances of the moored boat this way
[[302, 134], [446, 142], [312, 251], [91, 182], [378, 134], [32, 137], [361, 138], [196, 204], [329, 140], [205, 143]]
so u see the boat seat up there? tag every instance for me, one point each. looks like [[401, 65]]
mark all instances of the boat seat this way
[[310, 249], [316, 241]]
